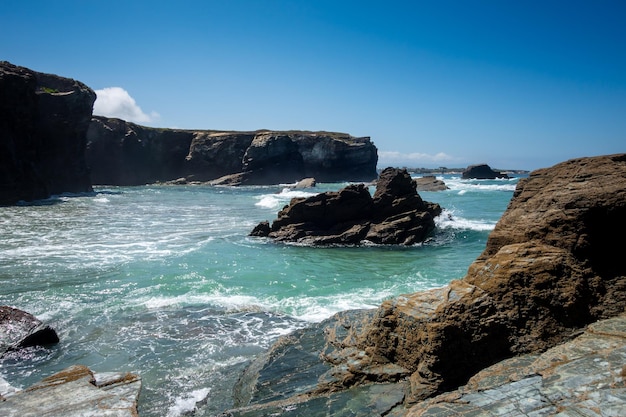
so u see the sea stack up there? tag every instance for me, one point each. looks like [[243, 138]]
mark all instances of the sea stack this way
[[395, 215]]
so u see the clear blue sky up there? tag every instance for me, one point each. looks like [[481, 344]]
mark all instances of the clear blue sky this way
[[515, 84]]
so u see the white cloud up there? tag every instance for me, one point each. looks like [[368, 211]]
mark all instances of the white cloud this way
[[116, 102], [414, 159]]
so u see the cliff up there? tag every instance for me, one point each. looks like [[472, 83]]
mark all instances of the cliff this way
[[550, 268], [123, 153], [43, 122]]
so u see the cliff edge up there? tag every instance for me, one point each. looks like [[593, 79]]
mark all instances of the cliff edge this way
[[43, 123], [123, 153]]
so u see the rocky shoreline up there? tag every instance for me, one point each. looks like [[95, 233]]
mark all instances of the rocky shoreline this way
[[474, 347], [536, 327]]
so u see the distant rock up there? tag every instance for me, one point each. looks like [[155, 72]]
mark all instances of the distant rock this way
[[550, 268], [482, 172], [76, 392], [43, 123], [306, 183], [396, 214], [123, 153], [19, 330], [430, 183]]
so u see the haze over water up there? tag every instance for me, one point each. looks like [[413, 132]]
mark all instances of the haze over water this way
[[163, 281]]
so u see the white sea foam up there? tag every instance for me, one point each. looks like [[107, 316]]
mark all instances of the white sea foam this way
[[449, 220], [276, 201], [462, 186], [187, 403]]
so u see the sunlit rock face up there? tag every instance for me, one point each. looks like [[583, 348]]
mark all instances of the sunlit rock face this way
[[123, 153]]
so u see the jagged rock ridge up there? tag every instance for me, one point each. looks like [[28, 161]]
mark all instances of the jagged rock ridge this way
[[396, 214]]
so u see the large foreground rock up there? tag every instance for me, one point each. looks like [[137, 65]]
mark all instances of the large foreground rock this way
[[583, 376], [43, 123], [19, 330], [550, 268], [123, 153], [396, 214], [76, 392]]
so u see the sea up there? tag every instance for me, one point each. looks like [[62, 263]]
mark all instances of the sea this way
[[164, 281]]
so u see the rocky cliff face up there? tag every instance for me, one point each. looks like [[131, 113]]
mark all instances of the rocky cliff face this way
[[550, 268], [122, 153], [43, 122]]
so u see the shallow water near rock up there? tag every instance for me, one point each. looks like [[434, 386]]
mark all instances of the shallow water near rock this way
[[163, 281]]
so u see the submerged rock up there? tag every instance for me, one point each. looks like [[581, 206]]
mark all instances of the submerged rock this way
[[396, 214], [76, 391], [19, 330]]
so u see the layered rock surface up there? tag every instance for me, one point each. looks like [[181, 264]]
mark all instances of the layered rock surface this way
[[549, 269], [43, 123], [396, 214], [76, 391], [123, 153]]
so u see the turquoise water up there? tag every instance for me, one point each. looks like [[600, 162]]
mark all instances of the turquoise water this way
[[164, 281]]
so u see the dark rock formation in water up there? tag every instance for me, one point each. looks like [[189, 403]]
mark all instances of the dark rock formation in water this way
[[123, 153], [482, 172], [76, 392], [43, 122], [550, 268], [396, 214], [19, 330]]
